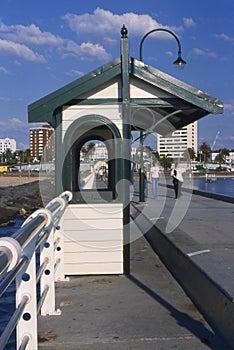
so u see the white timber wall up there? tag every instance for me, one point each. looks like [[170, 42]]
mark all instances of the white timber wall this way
[[73, 113], [93, 239], [94, 232]]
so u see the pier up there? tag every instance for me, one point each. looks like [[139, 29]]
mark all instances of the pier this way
[[148, 309]]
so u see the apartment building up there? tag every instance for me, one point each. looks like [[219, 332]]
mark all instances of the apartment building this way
[[7, 143], [42, 143], [175, 144]]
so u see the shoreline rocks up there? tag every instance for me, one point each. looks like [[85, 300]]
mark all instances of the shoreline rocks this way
[[19, 200]]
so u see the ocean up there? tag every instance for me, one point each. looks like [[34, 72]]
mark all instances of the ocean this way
[[7, 301], [223, 185]]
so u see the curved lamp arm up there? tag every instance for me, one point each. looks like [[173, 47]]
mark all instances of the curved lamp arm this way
[[179, 61]]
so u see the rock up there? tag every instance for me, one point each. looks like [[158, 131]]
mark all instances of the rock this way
[[22, 212], [19, 200]]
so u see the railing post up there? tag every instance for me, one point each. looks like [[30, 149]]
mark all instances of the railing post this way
[[26, 286], [47, 281], [59, 256]]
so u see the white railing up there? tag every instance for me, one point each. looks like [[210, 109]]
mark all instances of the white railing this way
[[41, 234]]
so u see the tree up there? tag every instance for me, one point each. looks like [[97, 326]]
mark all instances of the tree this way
[[205, 150], [156, 155], [225, 152], [27, 155], [166, 162], [8, 155], [191, 153], [220, 158], [90, 149], [222, 155]]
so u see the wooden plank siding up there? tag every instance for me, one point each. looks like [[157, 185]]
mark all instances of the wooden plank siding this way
[[93, 239], [73, 113]]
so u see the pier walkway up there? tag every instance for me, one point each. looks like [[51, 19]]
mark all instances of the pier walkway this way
[[147, 309]]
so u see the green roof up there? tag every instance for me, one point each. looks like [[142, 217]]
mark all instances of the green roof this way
[[186, 105]]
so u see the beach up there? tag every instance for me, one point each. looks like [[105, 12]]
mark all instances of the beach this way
[[10, 180]]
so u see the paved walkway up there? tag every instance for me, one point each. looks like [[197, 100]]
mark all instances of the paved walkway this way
[[207, 230], [148, 309]]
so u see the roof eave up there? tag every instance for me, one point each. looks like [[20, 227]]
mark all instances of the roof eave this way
[[176, 87]]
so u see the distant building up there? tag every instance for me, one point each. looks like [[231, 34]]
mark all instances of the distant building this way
[[229, 158], [42, 143], [100, 152], [178, 142], [7, 143]]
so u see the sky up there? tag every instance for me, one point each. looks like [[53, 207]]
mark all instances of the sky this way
[[47, 44]]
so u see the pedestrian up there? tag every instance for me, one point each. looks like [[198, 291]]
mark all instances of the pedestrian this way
[[145, 182], [154, 177], [177, 179]]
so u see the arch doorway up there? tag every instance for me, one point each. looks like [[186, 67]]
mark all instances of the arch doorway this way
[[92, 164]]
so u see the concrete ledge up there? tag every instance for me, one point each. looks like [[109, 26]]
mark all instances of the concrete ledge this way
[[214, 303], [219, 197]]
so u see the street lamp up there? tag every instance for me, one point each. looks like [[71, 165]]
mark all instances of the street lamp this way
[[180, 63]]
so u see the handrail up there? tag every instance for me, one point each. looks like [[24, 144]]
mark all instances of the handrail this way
[[18, 262], [9, 278], [13, 322]]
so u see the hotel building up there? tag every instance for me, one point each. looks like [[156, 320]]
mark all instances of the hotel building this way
[[40, 138], [175, 144]]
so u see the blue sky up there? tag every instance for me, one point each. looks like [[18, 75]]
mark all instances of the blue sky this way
[[46, 44]]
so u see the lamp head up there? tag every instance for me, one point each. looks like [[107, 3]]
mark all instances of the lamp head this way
[[179, 62]]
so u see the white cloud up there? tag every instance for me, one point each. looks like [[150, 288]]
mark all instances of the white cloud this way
[[13, 124], [74, 73], [3, 70], [229, 107], [16, 39], [189, 22], [20, 50], [29, 34], [170, 53], [87, 50], [107, 24], [203, 52], [224, 37]]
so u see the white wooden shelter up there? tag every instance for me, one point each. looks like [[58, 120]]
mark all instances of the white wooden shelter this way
[[106, 105]]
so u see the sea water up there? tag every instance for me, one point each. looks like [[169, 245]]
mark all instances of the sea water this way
[[223, 185], [7, 301]]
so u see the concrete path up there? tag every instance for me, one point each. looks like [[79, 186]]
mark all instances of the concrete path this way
[[146, 310], [207, 230]]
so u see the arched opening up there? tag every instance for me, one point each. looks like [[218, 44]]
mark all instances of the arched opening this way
[[93, 171], [92, 165]]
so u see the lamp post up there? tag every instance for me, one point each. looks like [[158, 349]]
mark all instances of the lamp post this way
[[179, 62]]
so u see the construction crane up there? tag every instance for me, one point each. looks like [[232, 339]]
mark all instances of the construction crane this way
[[215, 139]]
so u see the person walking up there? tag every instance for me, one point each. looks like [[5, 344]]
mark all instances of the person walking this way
[[177, 179], [154, 177]]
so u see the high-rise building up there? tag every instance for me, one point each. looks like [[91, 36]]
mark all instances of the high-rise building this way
[[178, 142], [42, 143], [7, 143]]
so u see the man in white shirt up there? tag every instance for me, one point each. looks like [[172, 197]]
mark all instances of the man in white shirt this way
[[154, 176]]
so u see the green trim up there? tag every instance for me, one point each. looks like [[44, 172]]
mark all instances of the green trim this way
[[176, 87], [58, 153], [94, 101], [65, 167], [43, 109], [126, 115]]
